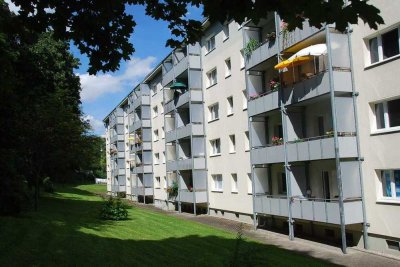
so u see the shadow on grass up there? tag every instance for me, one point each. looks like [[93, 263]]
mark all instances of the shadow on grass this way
[[67, 232]]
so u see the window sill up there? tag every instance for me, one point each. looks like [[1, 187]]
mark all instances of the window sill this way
[[227, 76], [244, 108], [242, 67], [230, 114], [386, 131], [246, 150], [208, 52], [213, 120], [226, 38], [157, 187], [155, 140], [215, 155], [373, 65], [233, 152], [211, 85], [388, 201], [235, 192], [217, 191]]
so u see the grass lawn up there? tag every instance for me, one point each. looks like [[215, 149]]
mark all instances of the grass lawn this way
[[67, 232]]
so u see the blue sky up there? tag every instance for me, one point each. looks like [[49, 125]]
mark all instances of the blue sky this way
[[101, 93]]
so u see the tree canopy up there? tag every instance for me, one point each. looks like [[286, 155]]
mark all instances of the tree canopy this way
[[101, 29]]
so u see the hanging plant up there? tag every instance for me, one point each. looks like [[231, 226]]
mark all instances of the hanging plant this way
[[251, 45]]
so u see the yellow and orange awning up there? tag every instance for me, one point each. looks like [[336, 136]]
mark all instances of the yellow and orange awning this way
[[292, 62]]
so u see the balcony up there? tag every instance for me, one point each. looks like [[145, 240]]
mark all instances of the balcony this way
[[175, 71], [315, 148], [267, 50], [184, 131], [318, 210], [116, 138], [186, 164], [139, 124], [189, 95], [288, 39], [199, 196], [141, 100], [306, 89], [143, 169], [118, 188], [142, 190]]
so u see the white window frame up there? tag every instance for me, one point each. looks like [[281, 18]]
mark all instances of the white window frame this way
[[246, 141], [225, 32], [165, 182], [210, 44], [232, 144], [156, 135], [215, 147], [155, 111], [157, 182], [242, 63], [234, 188], [228, 67], [156, 158], [153, 89], [212, 77], [380, 196], [244, 99], [162, 132], [213, 112], [162, 107], [217, 182], [380, 46], [229, 106], [386, 117], [249, 184], [164, 158]]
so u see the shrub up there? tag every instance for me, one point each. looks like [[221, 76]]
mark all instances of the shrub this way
[[48, 185], [114, 209]]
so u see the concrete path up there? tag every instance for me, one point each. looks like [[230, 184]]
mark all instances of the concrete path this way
[[354, 257]]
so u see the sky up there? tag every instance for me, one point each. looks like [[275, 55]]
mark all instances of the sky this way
[[102, 92]]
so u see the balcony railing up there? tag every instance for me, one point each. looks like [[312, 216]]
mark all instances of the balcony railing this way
[[266, 50], [313, 148], [186, 164], [312, 209], [177, 69], [198, 196], [184, 131], [142, 190]]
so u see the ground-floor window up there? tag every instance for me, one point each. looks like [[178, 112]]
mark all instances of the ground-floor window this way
[[390, 180]]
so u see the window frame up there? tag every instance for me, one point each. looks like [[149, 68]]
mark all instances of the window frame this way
[[228, 67], [156, 135], [208, 46], [386, 117], [155, 111], [218, 185], [229, 106], [215, 147], [156, 158], [157, 182], [394, 198], [225, 32], [234, 183], [380, 49], [232, 144], [212, 115], [212, 79]]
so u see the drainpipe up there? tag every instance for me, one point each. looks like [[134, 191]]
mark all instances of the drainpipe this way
[[285, 139], [354, 94], [336, 142], [249, 123]]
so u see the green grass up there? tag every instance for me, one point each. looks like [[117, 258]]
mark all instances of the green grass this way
[[67, 231]]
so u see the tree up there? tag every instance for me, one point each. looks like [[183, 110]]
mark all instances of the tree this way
[[101, 29]]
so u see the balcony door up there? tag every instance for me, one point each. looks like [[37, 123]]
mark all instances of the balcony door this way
[[326, 190]]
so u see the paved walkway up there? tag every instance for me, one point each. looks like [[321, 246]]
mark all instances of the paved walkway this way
[[354, 256]]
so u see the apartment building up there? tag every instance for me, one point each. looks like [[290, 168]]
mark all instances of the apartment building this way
[[291, 131]]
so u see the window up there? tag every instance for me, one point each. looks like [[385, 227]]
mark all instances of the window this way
[[210, 44], [213, 112], [227, 67], [241, 59], [246, 141], [225, 31], [156, 158], [162, 107], [234, 183], [162, 132], [217, 182], [244, 99], [155, 132], [158, 182], [153, 89], [249, 184], [390, 180], [215, 147], [384, 46], [387, 115], [165, 182], [163, 161], [232, 144], [229, 105], [155, 111], [212, 77]]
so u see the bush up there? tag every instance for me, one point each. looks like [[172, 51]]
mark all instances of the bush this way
[[48, 185], [114, 209]]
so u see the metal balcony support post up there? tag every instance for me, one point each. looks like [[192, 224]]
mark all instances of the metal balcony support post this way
[[287, 171], [365, 223], [336, 142]]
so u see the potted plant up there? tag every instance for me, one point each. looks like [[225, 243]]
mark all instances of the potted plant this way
[[271, 36], [276, 141], [274, 84], [251, 45], [173, 190]]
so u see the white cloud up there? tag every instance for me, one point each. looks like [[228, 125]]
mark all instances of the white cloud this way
[[94, 86], [97, 125]]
